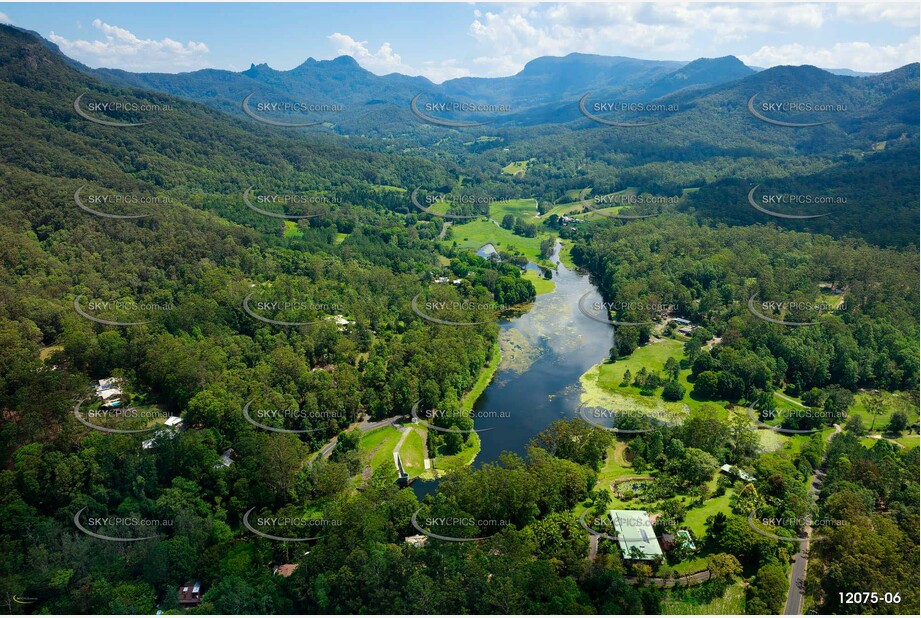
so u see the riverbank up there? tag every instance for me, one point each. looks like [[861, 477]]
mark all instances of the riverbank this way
[[486, 376], [448, 463]]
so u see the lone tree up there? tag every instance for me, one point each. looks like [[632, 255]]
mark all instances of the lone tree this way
[[723, 567], [897, 423]]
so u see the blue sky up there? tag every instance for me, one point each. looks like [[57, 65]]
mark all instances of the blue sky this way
[[446, 40]]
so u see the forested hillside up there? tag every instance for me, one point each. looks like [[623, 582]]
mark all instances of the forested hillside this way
[[217, 337]]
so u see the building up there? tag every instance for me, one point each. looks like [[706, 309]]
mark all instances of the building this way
[[681, 321], [109, 396], [172, 425], [687, 331], [109, 391], [635, 535], [734, 471], [226, 459], [417, 540], [285, 570], [106, 383], [341, 322], [190, 593]]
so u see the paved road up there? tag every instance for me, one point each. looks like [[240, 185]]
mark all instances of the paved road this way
[[785, 398], [794, 606], [667, 582], [365, 426], [396, 450]]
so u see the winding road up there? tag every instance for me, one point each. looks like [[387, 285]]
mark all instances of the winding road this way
[[794, 605]]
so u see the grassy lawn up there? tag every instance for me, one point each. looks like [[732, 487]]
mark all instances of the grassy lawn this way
[[909, 441], [386, 438], [413, 453], [47, 351], [695, 519], [448, 463], [684, 601], [291, 230], [563, 209], [603, 381], [652, 356], [390, 188], [906, 441], [858, 408], [615, 466], [517, 167], [543, 286], [524, 208], [340, 237], [477, 233]]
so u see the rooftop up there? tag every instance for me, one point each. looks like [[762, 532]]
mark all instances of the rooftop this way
[[417, 540], [635, 530], [285, 570]]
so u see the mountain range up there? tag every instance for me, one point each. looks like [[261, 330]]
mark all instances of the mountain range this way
[[709, 136]]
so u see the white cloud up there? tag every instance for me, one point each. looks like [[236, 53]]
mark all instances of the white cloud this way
[[901, 14], [386, 60], [4, 19], [383, 61], [122, 49], [856, 55], [511, 36], [519, 33]]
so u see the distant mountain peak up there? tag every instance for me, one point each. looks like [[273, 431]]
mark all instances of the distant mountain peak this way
[[344, 60], [700, 73], [256, 69]]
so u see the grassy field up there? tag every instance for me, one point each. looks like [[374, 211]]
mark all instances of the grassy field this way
[[696, 518], [601, 386], [477, 233], [447, 463], [517, 167], [615, 466], [858, 408], [524, 208], [413, 452], [562, 209], [340, 237], [384, 440], [541, 285], [390, 188], [909, 441], [684, 601], [47, 351], [291, 230], [605, 379]]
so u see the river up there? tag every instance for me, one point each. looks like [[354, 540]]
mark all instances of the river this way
[[544, 353]]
